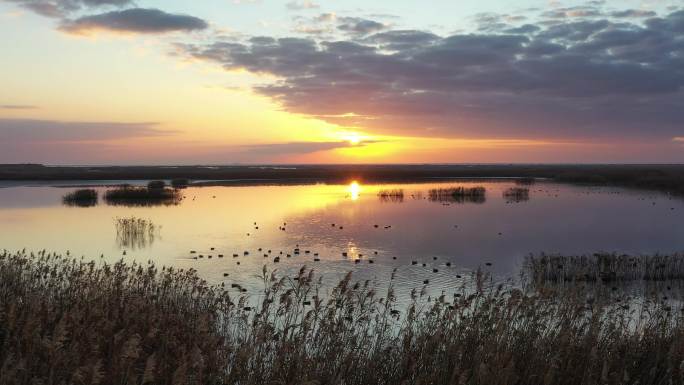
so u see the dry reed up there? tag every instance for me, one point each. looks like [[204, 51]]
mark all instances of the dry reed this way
[[135, 233], [73, 322], [604, 267]]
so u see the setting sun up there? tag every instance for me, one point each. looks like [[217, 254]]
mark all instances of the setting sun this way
[[353, 138]]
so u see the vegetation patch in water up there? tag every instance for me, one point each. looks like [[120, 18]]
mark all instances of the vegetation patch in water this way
[[142, 196], [603, 267], [156, 185], [135, 233], [82, 198], [391, 195], [180, 183], [67, 321], [517, 194], [458, 194]]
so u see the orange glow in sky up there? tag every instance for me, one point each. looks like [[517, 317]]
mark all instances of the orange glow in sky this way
[[231, 82]]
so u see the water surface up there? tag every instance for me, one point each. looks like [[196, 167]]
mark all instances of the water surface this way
[[467, 235]]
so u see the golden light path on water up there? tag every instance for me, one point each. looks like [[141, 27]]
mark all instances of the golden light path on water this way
[[354, 190]]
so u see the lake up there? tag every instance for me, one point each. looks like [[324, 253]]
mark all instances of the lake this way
[[419, 238]]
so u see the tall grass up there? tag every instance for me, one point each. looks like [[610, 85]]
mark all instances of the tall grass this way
[[75, 322], [135, 233], [458, 194], [391, 195], [72, 322], [82, 198], [142, 196]]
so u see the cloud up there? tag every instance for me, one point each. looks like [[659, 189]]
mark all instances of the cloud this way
[[47, 131], [401, 40], [579, 77], [134, 20], [61, 8], [328, 23], [524, 29], [679, 139], [301, 147], [327, 17], [117, 18], [359, 26], [17, 107], [301, 4], [633, 13], [573, 12]]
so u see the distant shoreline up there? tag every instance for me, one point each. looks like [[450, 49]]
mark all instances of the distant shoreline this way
[[667, 177], [264, 182]]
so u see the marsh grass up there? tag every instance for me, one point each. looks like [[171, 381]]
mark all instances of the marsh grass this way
[[517, 194], [135, 233], [64, 321], [603, 267], [81, 198], [75, 322], [458, 194], [391, 195], [142, 196]]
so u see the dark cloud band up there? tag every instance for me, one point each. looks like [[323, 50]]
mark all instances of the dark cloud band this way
[[17, 107], [135, 20], [119, 20], [579, 76], [50, 131], [61, 8], [301, 147]]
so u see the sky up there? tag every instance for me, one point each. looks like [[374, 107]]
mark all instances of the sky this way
[[346, 81]]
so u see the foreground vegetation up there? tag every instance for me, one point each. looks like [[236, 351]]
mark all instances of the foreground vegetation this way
[[69, 322], [72, 322]]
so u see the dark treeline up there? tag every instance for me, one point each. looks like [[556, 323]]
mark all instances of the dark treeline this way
[[668, 178]]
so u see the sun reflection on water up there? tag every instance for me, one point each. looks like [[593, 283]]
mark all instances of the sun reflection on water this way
[[354, 190]]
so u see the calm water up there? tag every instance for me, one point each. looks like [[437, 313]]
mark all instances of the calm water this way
[[556, 219]]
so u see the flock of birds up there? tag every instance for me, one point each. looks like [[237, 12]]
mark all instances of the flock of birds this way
[[356, 257], [297, 250]]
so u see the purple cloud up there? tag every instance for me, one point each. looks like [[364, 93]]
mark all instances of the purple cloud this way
[[580, 77], [134, 20], [61, 8]]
